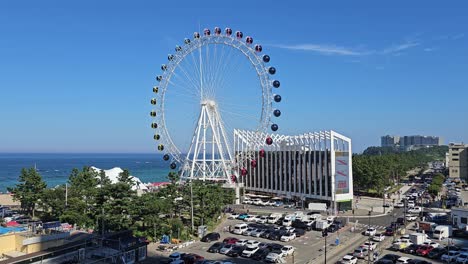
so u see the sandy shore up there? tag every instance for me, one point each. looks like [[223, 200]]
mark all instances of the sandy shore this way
[[7, 200]]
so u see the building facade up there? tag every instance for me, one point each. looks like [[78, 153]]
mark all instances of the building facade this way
[[390, 141], [458, 161], [312, 167], [407, 143]]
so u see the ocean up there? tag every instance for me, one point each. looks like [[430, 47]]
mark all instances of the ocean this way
[[56, 168]]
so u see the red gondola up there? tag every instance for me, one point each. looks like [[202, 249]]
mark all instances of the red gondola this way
[[269, 140], [262, 153], [243, 171]]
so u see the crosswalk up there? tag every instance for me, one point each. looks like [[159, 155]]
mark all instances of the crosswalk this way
[[361, 226]]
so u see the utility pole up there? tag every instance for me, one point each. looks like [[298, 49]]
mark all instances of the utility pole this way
[[369, 240]]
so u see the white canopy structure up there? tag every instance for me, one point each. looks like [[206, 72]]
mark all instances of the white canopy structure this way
[[113, 175]]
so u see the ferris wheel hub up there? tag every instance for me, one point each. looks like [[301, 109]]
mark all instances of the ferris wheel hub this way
[[210, 103]]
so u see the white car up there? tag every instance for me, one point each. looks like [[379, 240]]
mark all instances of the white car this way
[[263, 219], [370, 231], [349, 259], [415, 210], [250, 218], [403, 260], [378, 237], [252, 243], [233, 216], [249, 251], [411, 217], [241, 242], [399, 205], [287, 250], [288, 237], [369, 245], [432, 244], [410, 204], [273, 257]]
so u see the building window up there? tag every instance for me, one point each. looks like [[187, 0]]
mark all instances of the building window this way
[[130, 256], [455, 159], [464, 220], [142, 253]]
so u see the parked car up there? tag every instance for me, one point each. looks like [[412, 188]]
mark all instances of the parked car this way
[[233, 216], [226, 248], [241, 242], [260, 254], [258, 232], [210, 237], [361, 252], [235, 251], [450, 256], [252, 243], [403, 260], [411, 249], [249, 251], [176, 256], [392, 257], [411, 217], [242, 216], [399, 205], [288, 237], [424, 250], [299, 232], [369, 245], [332, 228], [273, 257], [418, 261], [436, 253], [230, 240], [462, 258], [349, 259], [287, 250], [216, 247]]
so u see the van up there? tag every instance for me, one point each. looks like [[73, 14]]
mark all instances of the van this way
[[442, 231], [240, 228]]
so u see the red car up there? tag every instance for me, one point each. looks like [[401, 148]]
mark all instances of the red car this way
[[192, 258], [424, 250], [230, 240]]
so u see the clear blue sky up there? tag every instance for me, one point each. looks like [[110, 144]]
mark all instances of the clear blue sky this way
[[77, 76]]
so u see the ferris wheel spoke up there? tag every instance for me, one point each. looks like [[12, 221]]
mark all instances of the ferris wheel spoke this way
[[183, 87], [190, 79]]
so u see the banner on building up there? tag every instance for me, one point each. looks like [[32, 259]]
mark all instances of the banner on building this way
[[342, 169]]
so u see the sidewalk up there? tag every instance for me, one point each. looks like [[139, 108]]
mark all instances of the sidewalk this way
[[365, 204]]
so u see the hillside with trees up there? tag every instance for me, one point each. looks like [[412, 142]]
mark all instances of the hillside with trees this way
[[378, 168]]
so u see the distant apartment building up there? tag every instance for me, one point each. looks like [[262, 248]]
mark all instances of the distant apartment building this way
[[390, 141], [458, 161], [407, 143]]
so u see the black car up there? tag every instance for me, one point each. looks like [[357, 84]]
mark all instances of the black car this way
[[418, 261], [235, 251], [261, 254], [384, 261], [411, 249], [276, 235], [299, 232], [216, 247], [392, 257], [274, 246], [400, 220], [332, 228], [267, 233], [338, 223], [210, 237], [436, 253]]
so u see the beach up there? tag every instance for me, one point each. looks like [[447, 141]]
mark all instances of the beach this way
[[7, 200]]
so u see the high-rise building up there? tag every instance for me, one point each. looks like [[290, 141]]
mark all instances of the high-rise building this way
[[458, 161], [410, 142], [390, 141]]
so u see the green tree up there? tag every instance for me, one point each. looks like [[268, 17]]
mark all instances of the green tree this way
[[29, 190]]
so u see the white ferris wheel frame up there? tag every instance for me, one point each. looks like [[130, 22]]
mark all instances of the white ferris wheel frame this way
[[197, 44]]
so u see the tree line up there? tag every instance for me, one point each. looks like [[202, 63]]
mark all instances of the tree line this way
[[378, 168], [91, 201]]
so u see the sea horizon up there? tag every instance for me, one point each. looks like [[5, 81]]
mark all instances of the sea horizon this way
[[55, 167]]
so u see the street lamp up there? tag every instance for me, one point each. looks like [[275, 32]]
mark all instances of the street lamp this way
[[369, 240]]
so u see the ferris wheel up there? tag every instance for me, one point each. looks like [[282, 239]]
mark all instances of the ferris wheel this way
[[211, 84]]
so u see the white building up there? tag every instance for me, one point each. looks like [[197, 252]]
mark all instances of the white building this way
[[312, 167]]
